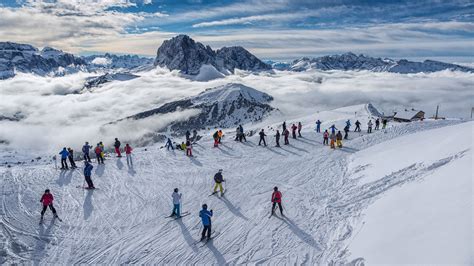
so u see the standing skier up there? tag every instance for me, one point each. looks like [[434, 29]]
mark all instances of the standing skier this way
[[293, 130], [102, 148], [218, 179], [219, 135], [300, 126], [326, 137], [189, 148], [206, 222], [85, 151], [242, 134], [333, 140], [128, 153], [357, 129], [176, 203], [64, 154], [346, 132], [215, 136], [87, 174], [262, 138], [47, 200], [277, 138], [286, 133], [194, 137], [369, 126], [98, 154], [339, 139], [71, 158], [276, 199], [377, 123], [384, 123], [333, 129], [117, 147], [169, 144], [318, 126], [284, 126], [348, 123]]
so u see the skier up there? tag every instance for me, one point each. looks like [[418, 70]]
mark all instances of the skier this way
[[286, 133], [300, 126], [71, 158], [117, 147], [293, 130], [262, 138], [369, 126], [216, 139], [219, 135], [64, 154], [128, 153], [276, 199], [384, 123], [176, 203], [377, 124], [242, 134], [87, 174], [206, 222], [218, 179], [277, 138], [333, 140], [47, 200], [318, 126], [346, 132], [339, 139], [333, 129], [357, 129], [284, 126], [348, 123], [182, 146], [85, 151], [187, 135], [326, 137], [98, 154], [237, 134], [194, 137], [169, 145], [102, 153], [189, 148]]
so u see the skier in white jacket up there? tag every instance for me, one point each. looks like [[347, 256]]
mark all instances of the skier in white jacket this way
[[176, 203]]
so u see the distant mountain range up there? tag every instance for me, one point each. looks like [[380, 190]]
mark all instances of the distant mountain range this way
[[194, 59]]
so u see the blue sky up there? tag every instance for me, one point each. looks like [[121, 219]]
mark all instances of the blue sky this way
[[278, 29]]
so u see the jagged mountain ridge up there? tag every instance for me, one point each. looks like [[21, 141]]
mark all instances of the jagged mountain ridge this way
[[188, 56], [351, 61], [224, 106]]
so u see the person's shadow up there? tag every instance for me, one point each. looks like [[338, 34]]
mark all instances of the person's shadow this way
[[219, 257], [305, 237], [43, 239], [119, 164], [100, 169], [195, 161], [187, 236], [87, 206], [232, 208]]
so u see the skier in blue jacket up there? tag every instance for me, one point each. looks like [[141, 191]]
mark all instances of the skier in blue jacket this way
[[206, 222], [333, 129], [85, 149], [87, 174], [169, 145], [64, 155], [318, 126]]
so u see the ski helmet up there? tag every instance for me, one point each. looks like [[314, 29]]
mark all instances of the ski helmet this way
[[176, 190], [46, 191], [275, 188], [204, 206], [220, 170]]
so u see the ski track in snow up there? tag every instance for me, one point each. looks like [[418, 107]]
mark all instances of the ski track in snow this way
[[124, 220]]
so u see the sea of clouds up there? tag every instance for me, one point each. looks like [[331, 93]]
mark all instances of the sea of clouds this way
[[58, 112]]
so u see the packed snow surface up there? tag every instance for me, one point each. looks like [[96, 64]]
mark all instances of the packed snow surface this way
[[123, 221]]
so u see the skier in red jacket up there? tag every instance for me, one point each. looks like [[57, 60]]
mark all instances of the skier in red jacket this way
[[293, 130], [276, 199], [47, 200], [128, 154]]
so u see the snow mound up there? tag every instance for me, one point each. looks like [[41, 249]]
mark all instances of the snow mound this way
[[207, 73], [231, 92]]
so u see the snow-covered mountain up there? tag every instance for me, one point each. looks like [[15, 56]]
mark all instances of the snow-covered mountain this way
[[15, 57], [117, 62], [351, 61], [109, 77], [224, 106], [184, 54]]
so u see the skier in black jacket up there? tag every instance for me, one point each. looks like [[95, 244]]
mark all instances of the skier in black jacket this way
[[117, 147], [262, 138], [277, 138]]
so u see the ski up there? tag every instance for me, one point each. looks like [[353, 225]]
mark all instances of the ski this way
[[213, 193], [214, 235], [182, 214], [86, 188], [41, 221], [57, 217]]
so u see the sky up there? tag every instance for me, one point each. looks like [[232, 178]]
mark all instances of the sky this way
[[271, 29]]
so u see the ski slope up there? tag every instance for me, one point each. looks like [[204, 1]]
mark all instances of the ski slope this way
[[123, 221]]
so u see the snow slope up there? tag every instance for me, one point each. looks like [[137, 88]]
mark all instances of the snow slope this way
[[124, 220], [428, 221]]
